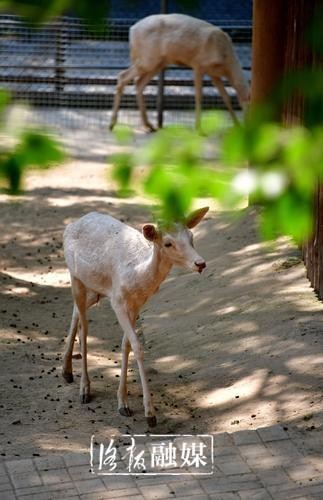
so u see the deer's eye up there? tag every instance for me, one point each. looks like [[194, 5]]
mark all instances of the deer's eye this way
[[168, 244]]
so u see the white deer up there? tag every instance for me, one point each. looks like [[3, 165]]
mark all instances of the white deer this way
[[107, 258], [163, 39]]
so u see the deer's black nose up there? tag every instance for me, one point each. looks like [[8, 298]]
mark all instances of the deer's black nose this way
[[200, 266]]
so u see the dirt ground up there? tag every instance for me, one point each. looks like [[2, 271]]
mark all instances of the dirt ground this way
[[238, 347]]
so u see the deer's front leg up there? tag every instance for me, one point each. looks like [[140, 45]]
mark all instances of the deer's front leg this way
[[217, 82], [138, 351], [123, 391]]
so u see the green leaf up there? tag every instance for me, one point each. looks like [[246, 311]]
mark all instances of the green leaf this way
[[173, 189], [122, 172], [34, 150], [4, 99], [36, 11], [266, 143], [173, 145], [123, 134], [289, 216], [213, 122], [234, 147], [38, 150], [95, 13], [11, 171], [297, 145]]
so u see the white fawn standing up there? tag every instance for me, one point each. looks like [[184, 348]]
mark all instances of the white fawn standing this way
[[107, 258]]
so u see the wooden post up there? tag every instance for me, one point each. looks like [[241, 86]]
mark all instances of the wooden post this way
[[268, 47], [299, 55]]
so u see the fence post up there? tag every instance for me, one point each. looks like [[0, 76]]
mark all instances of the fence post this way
[[60, 47], [161, 79]]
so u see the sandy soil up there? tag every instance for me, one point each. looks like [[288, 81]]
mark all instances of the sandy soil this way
[[238, 347]]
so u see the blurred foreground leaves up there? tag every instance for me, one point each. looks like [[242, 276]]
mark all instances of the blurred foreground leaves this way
[[22, 148], [42, 11], [277, 167], [285, 167]]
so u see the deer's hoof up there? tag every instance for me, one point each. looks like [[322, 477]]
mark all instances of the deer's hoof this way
[[125, 411], [149, 128], [77, 356], [85, 397], [68, 376], [151, 421]]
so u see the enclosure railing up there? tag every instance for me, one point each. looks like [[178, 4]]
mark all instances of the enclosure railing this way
[[65, 63]]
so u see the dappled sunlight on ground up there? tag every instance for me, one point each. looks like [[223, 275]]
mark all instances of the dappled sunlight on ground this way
[[60, 277], [247, 387], [235, 348]]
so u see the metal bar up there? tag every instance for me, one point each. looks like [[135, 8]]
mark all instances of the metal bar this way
[[81, 68], [105, 101], [110, 81], [160, 99], [60, 47], [51, 70]]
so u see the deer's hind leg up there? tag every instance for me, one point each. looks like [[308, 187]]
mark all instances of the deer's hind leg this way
[[80, 300], [124, 78], [140, 82], [67, 370], [91, 298]]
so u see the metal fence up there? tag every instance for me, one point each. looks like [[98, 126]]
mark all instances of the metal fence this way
[[65, 64]]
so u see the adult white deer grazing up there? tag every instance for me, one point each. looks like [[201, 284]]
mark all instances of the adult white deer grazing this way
[[108, 258], [163, 39]]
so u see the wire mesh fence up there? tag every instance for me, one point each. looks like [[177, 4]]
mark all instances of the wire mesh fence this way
[[66, 64]]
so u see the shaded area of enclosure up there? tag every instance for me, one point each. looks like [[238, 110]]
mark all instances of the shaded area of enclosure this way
[[238, 347]]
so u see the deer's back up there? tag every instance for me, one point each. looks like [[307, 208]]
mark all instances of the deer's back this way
[[98, 248], [175, 39]]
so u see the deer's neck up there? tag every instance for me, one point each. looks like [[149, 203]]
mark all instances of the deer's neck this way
[[157, 266], [237, 79], [151, 273]]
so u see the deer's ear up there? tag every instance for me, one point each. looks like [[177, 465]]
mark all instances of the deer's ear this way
[[150, 232], [195, 217]]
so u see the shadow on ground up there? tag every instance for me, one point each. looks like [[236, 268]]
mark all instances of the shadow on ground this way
[[237, 348]]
